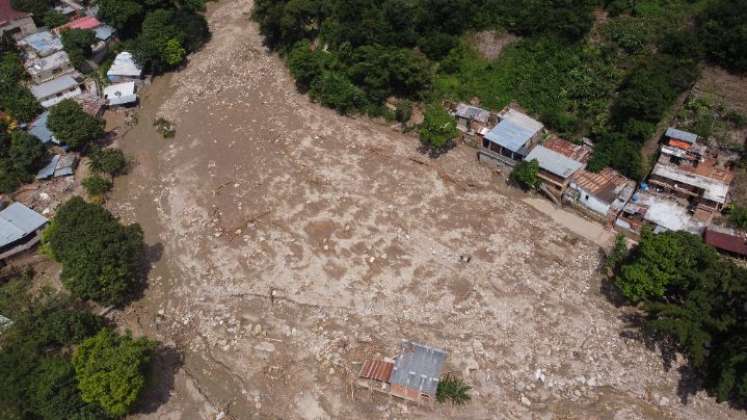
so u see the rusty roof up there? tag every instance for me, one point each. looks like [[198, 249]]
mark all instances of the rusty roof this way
[[577, 152], [726, 240], [603, 185], [378, 370], [8, 13]]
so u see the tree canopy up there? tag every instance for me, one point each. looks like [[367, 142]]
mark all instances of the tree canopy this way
[[73, 126], [100, 257], [697, 300], [77, 43], [525, 174], [21, 156], [111, 370], [15, 98], [438, 129]]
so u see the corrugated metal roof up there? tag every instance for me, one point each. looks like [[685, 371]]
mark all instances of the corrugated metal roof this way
[[18, 221], [48, 170], [725, 241], [674, 133], [553, 162], [43, 43], [514, 130], [53, 87], [39, 128], [713, 190], [104, 32], [472, 113], [418, 367], [377, 370]]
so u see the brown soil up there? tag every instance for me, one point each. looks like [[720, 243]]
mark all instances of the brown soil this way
[[490, 44], [290, 243]]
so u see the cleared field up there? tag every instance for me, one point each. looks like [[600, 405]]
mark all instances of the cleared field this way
[[290, 243]]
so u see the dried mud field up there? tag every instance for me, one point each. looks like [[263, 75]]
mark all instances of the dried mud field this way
[[290, 243]]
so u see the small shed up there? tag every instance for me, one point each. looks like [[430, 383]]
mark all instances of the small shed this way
[[680, 138], [729, 241], [471, 119], [59, 166]]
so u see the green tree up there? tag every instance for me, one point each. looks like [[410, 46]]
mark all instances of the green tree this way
[[438, 128], [38, 8], [336, 91], [124, 15], [305, 64], [723, 27], [525, 174], [15, 98], [111, 370], [96, 185], [73, 126], [77, 43], [738, 216], [53, 19], [100, 257], [21, 156], [452, 388], [108, 161], [173, 53]]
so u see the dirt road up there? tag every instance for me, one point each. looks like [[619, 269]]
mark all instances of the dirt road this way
[[290, 243]]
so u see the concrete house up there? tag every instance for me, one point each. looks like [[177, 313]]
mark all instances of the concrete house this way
[[659, 212], [601, 195], [15, 22], [20, 229], [120, 94], [511, 139], [41, 44], [56, 90], [47, 68], [412, 375]]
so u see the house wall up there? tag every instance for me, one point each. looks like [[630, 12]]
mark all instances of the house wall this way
[[592, 203], [49, 74], [19, 27]]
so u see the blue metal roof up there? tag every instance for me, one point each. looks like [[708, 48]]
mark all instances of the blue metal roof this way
[[104, 32], [18, 221], [418, 367], [48, 171], [514, 130], [39, 128], [44, 43]]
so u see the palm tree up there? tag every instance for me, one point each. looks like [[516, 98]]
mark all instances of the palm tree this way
[[454, 389]]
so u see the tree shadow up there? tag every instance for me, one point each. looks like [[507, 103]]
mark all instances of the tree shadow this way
[[151, 255], [166, 362], [689, 384], [435, 153]]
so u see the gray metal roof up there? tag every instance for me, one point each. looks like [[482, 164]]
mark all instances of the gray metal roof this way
[[104, 32], [553, 162], [18, 221], [514, 130], [418, 367], [674, 133], [39, 129], [48, 170], [472, 113], [53, 87], [43, 43]]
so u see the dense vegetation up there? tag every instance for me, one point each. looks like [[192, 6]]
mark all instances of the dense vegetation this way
[[72, 126], [613, 83], [21, 156], [159, 32], [51, 351], [77, 43], [100, 257], [694, 300], [15, 99]]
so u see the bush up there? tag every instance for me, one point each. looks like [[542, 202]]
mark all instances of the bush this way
[[738, 216], [100, 257], [96, 185], [403, 113], [452, 388], [73, 126], [525, 175], [21, 156], [438, 128], [336, 91], [111, 370], [723, 27], [108, 161]]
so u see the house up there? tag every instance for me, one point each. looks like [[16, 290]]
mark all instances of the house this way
[[41, 44], [85, 23], [38, 128], [56, 90], [697, 191], [47, 68], [555, 170], [412, 375], [471, 119], [124, 69], [728, 241], [20, 229], [511, 139], [69, 8], [59, 166], [661, 213], [602, 195], [120, 94], [681, 139], [15, 22]]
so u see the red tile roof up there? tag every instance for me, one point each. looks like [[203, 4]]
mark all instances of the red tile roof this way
[[8, 13], [377, 370], [729, 242]]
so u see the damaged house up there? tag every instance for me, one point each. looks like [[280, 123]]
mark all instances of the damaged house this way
[[601, 195], [555, 170], [412, 375]]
